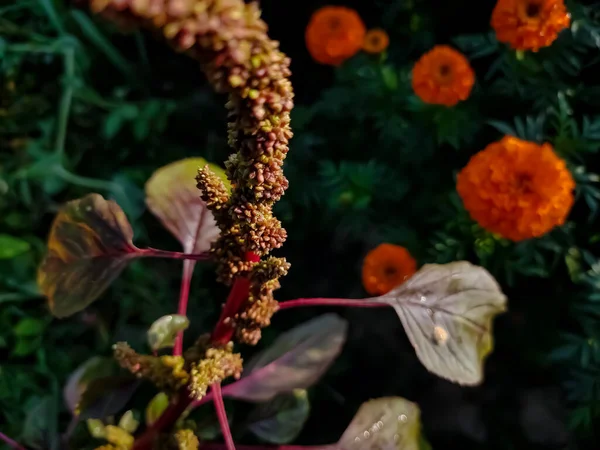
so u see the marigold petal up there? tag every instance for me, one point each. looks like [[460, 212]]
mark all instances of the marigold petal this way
[[334, 34], [443, 76], [529, 24], [517, 189], [386, 267], [376, 41]]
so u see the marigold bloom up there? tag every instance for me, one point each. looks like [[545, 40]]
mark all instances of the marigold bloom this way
[[376, 41], [334, 34], [386, 267], [516, 188], [443, 76], [529, 24]]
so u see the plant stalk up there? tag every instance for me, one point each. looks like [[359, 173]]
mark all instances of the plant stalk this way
[[214, 446], [10, 442], [223, 331], [167, 418], [222, 416], [184, 294], [156, 253], [65, 102], [359, 303]]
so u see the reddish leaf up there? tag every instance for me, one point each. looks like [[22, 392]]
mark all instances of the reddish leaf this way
[[78, 382], [89, 245], [296, 360], [388, 423], [172, 196]]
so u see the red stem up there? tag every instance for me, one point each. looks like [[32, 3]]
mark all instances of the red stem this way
[[167, 418], [156, 253], [361, 303], [208, 397], [184, 293], [222, 416], [223, 331], [215, 446], [221, 334], [10, 442]]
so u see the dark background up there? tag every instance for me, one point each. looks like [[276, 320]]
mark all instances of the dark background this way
[[521, 404]]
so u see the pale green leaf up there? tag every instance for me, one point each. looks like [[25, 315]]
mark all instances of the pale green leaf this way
[[156, 407], [163, 331], [128, 422], [172, 196], [447, 312], [388, 423]]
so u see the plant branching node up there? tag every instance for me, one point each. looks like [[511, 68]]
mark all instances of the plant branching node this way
[[166, 372], [218, 363]]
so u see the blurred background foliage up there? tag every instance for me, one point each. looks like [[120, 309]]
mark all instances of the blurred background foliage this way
[[84, 107]]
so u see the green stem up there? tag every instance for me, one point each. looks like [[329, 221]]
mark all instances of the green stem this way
[[139, 42], [65, 101], [21, 4], [520, 54], [33, 48], [93, 98], [48, 7], [78, 180]]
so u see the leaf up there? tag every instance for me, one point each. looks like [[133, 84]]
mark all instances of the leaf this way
[[128, 196], [80, 379], [96, 428], [90, 243], [390, 77], [280, 420], [156, 407], [90, 30], [117, 117], [38, 424], [388, 423], [29, 327], [25, 346], [128, 422], [106, 396], [163, 331], [11, 246], [296, 360], [447, 312], [172, 196]]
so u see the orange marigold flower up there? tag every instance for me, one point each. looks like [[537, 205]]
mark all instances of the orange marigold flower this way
[[443, 76], [516, 188], [334, 34], [376, 41], [529, 24], [386, 267]]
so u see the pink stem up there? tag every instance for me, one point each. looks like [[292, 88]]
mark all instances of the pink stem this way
[[11, 443], [362, 303], [184, 294], [214, 446], [209, 396], [156, 253], [222, 415]]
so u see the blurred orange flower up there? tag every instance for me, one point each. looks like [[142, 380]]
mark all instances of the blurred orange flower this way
[[376, 41], [529, 24], [443, 76], [516, 188], [386, 267], [334, 34]]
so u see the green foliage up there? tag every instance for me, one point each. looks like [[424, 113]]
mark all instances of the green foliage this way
[[84, 108]]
